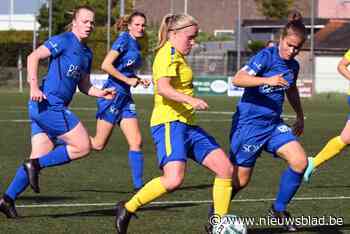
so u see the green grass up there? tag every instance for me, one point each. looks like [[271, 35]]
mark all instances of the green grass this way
[[104, 177]]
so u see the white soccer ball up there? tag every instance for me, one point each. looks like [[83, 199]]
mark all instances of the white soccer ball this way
[[230, 224]]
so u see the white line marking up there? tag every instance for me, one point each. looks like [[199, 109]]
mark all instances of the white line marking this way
[[179, 202]]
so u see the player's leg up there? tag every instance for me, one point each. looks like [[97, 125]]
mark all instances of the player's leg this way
[[104, 130], [132, 133], [330, 150], [171, 179], [290, 181], [75, 136], [41, 145], [169, 140], [218, 162]]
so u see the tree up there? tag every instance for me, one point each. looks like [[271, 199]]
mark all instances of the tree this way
[[62, 9], [274, 9]]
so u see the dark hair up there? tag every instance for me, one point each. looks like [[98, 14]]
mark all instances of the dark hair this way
[[123, 22], [269, 43], [75, 12], [295, 25]]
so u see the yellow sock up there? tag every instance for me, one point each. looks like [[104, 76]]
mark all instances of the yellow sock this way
[[222, 190], [146, 194], [332, 148]]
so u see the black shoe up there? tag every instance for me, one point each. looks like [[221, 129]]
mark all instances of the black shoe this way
[[7, 206], [32, 168], [122, 218], [283, 217], [209, 227]]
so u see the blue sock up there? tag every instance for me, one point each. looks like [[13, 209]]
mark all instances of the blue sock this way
[[56, 157], [18, 184], [290, 182], [136, 165]]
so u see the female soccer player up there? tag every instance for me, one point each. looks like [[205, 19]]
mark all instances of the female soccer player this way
[[257, 123], [70, 64], [121, 64], [338, 143], [174, 132]]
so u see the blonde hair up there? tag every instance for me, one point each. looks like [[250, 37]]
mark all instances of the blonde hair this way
[[123, 22], [173, 22]]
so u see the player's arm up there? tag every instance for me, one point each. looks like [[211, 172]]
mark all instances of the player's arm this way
[[343, 67], [107, 66], [166, 90], [86, 87], [244, 79], [294, 100], [33, 60]]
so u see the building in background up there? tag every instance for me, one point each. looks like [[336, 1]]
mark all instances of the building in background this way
[[214, 16], [19, 14], [19, 22]]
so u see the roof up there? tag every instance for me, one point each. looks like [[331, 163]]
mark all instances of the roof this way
[[335, 35], [268, 23]]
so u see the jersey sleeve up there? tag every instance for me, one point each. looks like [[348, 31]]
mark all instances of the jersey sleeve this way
[[347, 55], [56, 45], [168, 64], [121, 43], [258, 63]]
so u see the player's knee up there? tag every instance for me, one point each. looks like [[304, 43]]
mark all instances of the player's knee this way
[[299, 164], [225, 171], [136, 144], [84, 148], [173, 182]]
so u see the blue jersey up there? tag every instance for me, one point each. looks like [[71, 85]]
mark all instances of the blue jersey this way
[[264, 104], [128, 61], [70, 61]]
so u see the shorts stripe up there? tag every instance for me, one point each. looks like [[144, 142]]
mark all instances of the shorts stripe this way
[[168, 148]]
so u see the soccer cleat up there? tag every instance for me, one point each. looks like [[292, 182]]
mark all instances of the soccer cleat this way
[[7, 206], [209, 227], [122, 218], [32, 169], [283, 217], [309, 170]]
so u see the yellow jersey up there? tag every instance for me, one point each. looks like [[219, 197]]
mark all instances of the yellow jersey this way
[[347, 56], [171, 64]]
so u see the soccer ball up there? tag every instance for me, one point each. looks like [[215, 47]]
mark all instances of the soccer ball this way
[[230, 224]]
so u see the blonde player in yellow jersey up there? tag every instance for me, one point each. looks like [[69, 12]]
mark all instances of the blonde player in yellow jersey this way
[[335, 145], [174, 132]]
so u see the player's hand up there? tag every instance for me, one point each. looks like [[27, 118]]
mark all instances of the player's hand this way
[[277, 80], [36, 94], [298, 126], [198, 104], [108, 93], [145, 83], [133, 81]]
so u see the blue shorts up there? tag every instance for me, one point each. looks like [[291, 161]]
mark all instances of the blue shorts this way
[[177, 141], [248, 141], [51, 120], [113, 111]]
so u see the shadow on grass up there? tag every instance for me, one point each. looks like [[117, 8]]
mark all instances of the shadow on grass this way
[[43, 199], [99, 191], [110, 212], [196, 187]]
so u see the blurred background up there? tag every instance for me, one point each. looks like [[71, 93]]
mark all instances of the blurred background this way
[[230, 32]]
